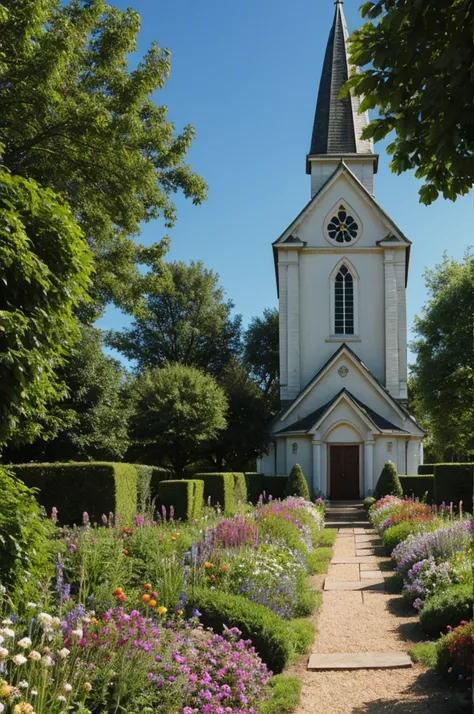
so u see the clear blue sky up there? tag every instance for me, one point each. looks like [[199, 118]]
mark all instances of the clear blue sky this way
[[246, 75]]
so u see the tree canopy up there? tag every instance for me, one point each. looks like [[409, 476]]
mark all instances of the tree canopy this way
[[45, 266], [177, 410], [420, 76], [261, 354], [75, 118], [444, 368], [185, 320]]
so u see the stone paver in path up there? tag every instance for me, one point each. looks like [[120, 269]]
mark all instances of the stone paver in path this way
[[366, 552], [368, 566], [356, 585], [371, 575], [346, 559], [367, 539], [360, 660]]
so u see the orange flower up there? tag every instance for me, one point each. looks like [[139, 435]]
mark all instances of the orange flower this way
[[147, 586], [225, 568], [152, 603], [180, 612], [146, 598], [125, 552], [117, 592], [127, 530], [208, 565], [173, 537]]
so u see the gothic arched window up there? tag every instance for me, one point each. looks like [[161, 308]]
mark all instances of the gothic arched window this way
[[343, 302]]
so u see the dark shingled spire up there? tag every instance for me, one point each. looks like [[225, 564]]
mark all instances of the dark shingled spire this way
[[337, 124]]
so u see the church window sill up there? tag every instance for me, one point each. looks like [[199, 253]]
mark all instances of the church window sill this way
[[343, 338]]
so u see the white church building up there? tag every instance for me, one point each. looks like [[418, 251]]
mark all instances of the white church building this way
[[342, 269]]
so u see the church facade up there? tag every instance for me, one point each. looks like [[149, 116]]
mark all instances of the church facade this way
[[342, 270]]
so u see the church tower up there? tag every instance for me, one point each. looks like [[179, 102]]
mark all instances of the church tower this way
[[342, 267]]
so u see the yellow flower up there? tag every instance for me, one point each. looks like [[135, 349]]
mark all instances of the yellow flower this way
[[152, 603], [162, 610], [180, 612], [208, 565], [94, 620], [87, 686], [6, 689], [23, 708]]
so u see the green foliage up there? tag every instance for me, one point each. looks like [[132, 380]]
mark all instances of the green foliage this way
[[77, 119], [443, 371], [254, 483], [261, 355], [148, 479], [24, 537], [302, 633], [426, 469], [185, 320], [297, 484], [176, 410], [388, 483], [448, 607], [419, 78], [421, 487], [285, 695], [240, 489], [318, 561], [454, 656], [198, 498], [395, 534], [369, 502], [327, 537], [44, 274], [183, 496], [220, 489], [280, 529], [270, 634], [274, 486], [73, 488], [454, 482], [424, 653]]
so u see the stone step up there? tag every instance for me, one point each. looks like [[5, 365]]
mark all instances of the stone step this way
[[346, 524], [359, 660], [371, 575], [370, 551], [355, 585], [354, 560]]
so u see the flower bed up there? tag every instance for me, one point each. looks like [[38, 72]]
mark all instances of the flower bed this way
[[123, 624]]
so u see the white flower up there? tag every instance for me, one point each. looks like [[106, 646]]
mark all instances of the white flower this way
[[31, 604], [23, 684], [55, 622], [2, 639], [2, 708], [19, 659], [44, 618], [7, 632], [61, 698], [34, 655], [3, 653], [63, 653], [77, 633], [24, 643], [34, 692], [67, 687], [48, 661], [7, 621]]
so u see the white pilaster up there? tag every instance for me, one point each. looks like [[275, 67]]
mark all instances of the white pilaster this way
[[391, 325], [283, 307], [413, 456], [368, 467], [316, 466], [293, 313], [402, 326]]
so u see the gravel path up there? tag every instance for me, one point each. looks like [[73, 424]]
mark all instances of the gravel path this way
[[365, 622]]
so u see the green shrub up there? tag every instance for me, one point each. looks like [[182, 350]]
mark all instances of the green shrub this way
[[181, 494], [148, 478], [395, 534], [240, 489], [448, 607], [418, 486], [198, 498], [285, 694], [302, 633], [454, 482], [297, 484], [73, 488], [269, 633], [327, 537], [253, 482], [388, 483], [307, 600], [274, 486], [424, 653], [454, 655], [369, 502], [220, 489], [24, 536], [280, 529], [426, 469], [318, 560]]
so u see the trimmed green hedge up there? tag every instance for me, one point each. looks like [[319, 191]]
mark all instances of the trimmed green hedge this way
[[417, 486], [184, 495], [273, 486], [148, 478], [447, 608], [240, 488], [269, 633], [95, 487], [220, 489], [426, 469], [253, 482], [454, 482]]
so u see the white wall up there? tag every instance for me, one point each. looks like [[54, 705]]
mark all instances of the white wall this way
[[303, 456]]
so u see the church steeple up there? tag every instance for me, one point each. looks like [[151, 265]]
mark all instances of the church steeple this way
[[337, 127]]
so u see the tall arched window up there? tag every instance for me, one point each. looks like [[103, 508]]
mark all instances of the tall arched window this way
[[344, 302]]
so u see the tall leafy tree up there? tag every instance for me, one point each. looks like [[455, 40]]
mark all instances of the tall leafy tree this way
[[75, 118], [417, 60], [261, 354], [444, 368], [91, 421], [45, 266], [177, 410], [185, 320]]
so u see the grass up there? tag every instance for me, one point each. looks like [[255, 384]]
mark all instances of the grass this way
[[327, 537], [285, 695], [424, 653], [302, 633], [394, 584], [318, 560]]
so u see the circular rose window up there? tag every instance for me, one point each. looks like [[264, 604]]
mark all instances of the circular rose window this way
[[342, 227]]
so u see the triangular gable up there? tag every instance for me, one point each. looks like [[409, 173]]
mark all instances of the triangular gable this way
[[393, 232]]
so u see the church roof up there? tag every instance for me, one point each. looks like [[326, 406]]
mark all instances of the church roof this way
[[305, 424], [338, 126]]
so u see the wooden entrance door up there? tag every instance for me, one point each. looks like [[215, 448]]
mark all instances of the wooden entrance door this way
[[344, 475]]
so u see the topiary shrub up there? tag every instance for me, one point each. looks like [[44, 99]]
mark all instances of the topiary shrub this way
[[369, 502], [181, 494], [421, 487], [219, 488], [73, 488], [454, 482], [297, 484], [388, 483], [24, 537], [447, 609], [240, 489], [269, 633]]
